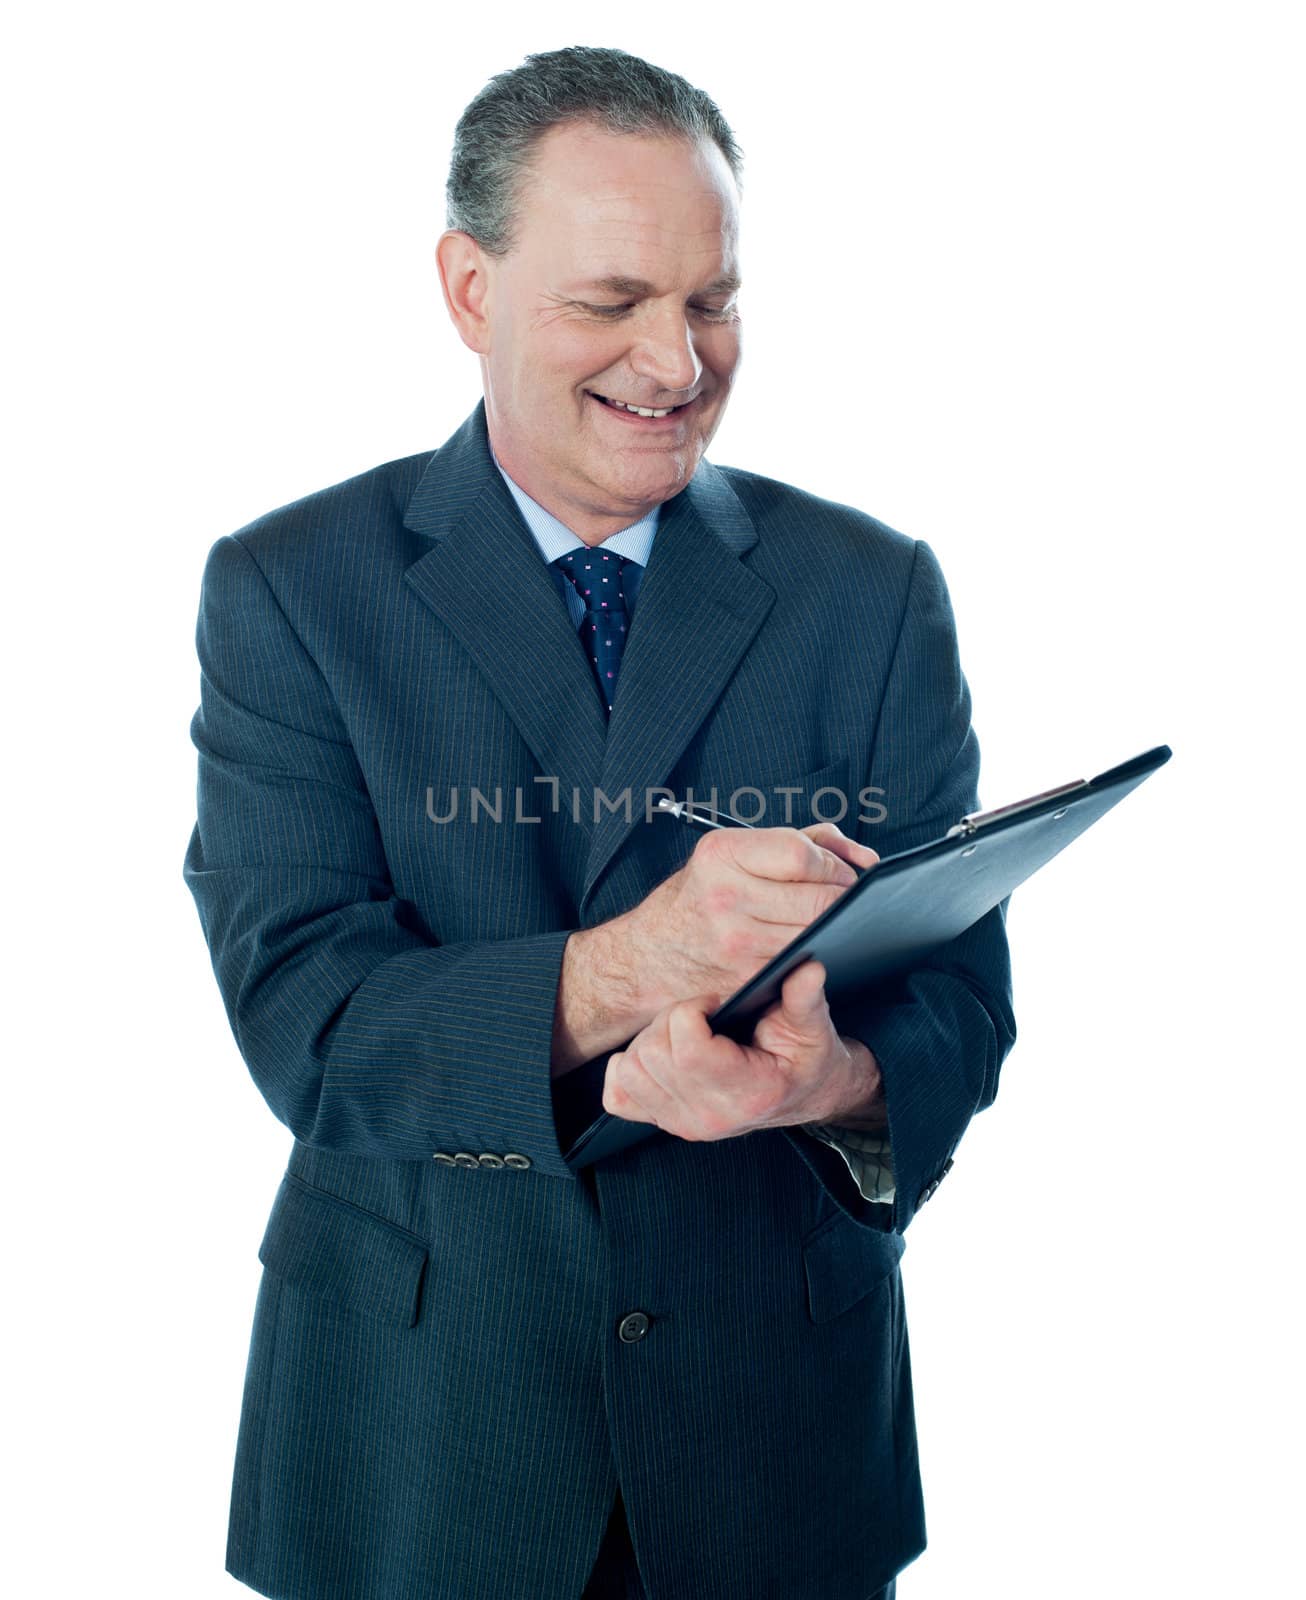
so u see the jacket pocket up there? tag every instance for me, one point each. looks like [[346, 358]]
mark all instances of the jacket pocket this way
[[340, 1253], [789, 801], [843, 1261]]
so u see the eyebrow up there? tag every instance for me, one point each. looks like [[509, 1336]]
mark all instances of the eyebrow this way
[[727, 283]]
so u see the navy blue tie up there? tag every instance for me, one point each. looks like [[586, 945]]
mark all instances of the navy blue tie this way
[[596, 577]]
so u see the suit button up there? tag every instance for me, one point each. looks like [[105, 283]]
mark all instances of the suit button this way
[[444, 1160], [464, 1158], [514, 1160], [487, 1158], [634, 1325], [929, 1188]]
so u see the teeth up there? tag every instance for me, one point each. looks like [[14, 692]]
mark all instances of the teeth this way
[[640, 411]]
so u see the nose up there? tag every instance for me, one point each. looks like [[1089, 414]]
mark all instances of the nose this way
[[665, 353]]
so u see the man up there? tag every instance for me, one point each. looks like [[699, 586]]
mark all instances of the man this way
[[475, 1369]]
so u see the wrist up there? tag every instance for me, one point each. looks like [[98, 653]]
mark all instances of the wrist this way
[[863, 1105], [599, 1006]]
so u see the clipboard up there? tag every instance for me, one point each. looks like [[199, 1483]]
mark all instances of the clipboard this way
[[898, 910]]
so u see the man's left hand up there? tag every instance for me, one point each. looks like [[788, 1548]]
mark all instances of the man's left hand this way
[[697, 1085]]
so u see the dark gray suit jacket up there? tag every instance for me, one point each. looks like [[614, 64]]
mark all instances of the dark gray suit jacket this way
[[445, 1380]]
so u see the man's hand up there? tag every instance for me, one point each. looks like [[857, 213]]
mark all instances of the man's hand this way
[[743, 895], [688, 1081]]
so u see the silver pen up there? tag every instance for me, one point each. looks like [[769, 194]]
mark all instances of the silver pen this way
[[691, 811], [688, 811]]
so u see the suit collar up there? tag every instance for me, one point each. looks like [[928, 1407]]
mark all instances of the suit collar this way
[[699, 610]]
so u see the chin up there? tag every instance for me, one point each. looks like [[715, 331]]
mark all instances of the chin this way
[[674, 466], [660, 486]]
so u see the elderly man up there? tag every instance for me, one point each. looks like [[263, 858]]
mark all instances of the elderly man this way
[[478, 1368]]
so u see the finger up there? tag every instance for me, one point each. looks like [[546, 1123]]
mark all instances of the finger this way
[[614, 1098], [647, 1092], [802, 996], [697, 1061], [687, 1029], [781, 855], [830, 836], [706, 1073], [628, 1091]]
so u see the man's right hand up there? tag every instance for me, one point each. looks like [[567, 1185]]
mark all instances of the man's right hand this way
[[743, 895]]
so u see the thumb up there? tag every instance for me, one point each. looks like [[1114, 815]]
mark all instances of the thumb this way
[[802, 995]]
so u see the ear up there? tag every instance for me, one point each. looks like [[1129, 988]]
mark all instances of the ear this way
[[464, 280]]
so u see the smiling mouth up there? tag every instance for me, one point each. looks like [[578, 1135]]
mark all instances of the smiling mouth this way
[[651, 412]]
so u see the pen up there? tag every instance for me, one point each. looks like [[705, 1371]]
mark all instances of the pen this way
[[691, 811]]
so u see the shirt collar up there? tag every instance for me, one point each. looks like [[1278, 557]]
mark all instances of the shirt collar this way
[[555, 538]]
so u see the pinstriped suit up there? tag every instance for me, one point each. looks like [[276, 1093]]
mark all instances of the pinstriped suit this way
[[445, 1384]]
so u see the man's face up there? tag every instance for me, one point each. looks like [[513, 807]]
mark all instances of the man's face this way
[[622, 284]]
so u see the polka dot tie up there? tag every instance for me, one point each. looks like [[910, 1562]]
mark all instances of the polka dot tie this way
[[596, 577]]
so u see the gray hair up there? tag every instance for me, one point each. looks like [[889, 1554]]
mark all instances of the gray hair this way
[[497, 133]]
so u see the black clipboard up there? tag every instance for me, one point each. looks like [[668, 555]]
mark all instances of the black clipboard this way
[[898, 910]]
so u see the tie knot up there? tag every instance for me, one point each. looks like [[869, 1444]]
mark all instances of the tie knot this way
[[596, 576]]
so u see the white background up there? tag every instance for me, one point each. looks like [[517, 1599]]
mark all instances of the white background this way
[[1023, 281]]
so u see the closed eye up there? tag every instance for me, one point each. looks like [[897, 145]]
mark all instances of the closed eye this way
[[711, 313]]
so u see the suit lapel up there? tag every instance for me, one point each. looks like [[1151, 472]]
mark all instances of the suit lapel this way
[[699, 609]]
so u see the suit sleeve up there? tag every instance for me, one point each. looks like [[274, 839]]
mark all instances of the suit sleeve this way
[[941, 1030], [361, 1035]]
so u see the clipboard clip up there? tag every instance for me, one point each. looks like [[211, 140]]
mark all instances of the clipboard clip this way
[[973, 821]]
